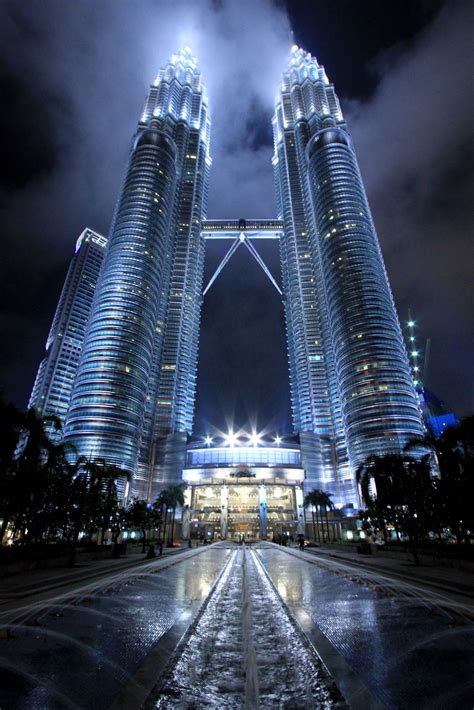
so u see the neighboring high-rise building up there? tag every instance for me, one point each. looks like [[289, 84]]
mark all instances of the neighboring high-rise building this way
[[351, 386], [135, 379], [52, 388]]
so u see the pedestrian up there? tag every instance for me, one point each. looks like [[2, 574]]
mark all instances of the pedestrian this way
[[301, 542]]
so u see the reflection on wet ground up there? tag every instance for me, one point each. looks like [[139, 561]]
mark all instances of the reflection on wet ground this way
[[244, 652], [80, 656], [406, 657]]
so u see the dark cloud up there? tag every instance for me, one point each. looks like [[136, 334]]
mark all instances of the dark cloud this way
[[414, 142], [76, 75]]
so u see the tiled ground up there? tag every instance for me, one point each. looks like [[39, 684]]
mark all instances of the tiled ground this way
[[80, 657], [407, 657]]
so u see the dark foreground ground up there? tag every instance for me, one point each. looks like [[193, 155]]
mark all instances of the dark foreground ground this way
[[224, 627]]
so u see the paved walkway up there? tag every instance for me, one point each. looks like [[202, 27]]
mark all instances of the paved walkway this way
[[91, 642], [28, 582], [407, 652], [454, 582], [79, 649]]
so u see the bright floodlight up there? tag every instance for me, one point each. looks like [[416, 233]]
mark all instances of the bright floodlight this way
[[231, 439], [278, 440], [255, 438], [411, 323], [208, 440]]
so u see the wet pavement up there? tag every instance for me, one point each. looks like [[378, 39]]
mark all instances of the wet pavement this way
[[81, 656], [382, 651], [245, 652], [407, 656]]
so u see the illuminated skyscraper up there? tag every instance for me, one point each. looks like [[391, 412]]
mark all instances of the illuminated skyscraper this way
[[52, 389], [179, 95], [351, 387], [151, 274]]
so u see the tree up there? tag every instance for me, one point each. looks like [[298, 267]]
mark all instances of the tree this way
[[11, 491], [142, 515], [454, 481], [319, 500], [327, 504], [398, 490], [176, 497], [414, 496], [36, 460], [169, 499], [93, 501], [309, 502], [376, 478]]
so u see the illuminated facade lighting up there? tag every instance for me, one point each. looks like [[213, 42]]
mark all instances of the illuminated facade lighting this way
[[133, 398], [255, 439], [351, 386], [350, 381], [231, 439], [53, 385]]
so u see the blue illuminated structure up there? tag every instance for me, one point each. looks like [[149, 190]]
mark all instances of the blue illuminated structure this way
[[180, 97], [352, 392], [351, 386], [53, 385], [129, 376], [241, 488]]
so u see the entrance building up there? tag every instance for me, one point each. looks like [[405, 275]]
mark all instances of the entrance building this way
[[243, 492]]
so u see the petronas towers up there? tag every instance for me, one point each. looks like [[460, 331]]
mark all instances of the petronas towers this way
[[132, 400]]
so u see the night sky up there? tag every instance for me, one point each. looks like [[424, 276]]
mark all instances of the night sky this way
[[73, 77]]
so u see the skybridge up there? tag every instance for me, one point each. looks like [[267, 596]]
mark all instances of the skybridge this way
[[242, 231]]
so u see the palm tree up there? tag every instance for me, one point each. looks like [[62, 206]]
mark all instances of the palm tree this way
[[93, 501], [314, 499], [163, 502], [403, 495], [169, 499], [327, 504], [11, 489], [309, 503], [140, 513], [454, 452], [176, 497], [378, 472], [35, 459]]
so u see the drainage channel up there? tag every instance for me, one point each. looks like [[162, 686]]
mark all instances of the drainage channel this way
[[244, 651]]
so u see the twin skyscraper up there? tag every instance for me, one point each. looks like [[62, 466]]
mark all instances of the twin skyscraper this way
[[131, 401]]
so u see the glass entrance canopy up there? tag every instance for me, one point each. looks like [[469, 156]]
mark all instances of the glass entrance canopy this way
[[245, 492], [244, 455]]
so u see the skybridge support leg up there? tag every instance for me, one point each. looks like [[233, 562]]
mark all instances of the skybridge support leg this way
[[224, 261], [262, 264]]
